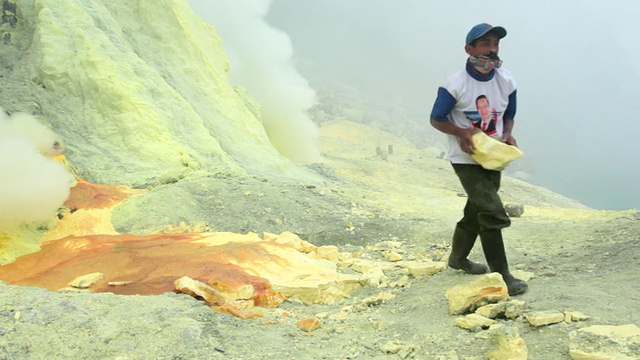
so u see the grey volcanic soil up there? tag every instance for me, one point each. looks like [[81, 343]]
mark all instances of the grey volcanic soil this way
[[583, 260]]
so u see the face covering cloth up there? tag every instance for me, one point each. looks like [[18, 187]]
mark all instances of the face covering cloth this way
[[485, 63]]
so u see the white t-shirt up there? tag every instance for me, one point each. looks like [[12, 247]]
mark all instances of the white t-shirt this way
[[467, 100]]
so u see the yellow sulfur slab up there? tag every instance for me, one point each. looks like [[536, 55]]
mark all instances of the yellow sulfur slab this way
[[493, 154]]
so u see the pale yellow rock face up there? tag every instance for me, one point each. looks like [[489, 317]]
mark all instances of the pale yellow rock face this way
[[541, 318], [486, 289], [146, 96], [493, 154], [472, 321], [85, 281], [605, 342], [508, 344], [629, 331], [510, 309], [416, 268], [199, 289]]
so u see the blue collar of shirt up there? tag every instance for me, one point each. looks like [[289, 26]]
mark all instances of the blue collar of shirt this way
[[480, 78]]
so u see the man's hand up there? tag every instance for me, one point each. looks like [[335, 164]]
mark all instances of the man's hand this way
[[508, 139], [464, 135], [506, 133]]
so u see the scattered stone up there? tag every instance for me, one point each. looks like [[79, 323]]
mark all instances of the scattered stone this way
[[491, 311], [397, 347], [378, 299], [69, 289], [328, 252], [199, 290], [487, 289], [548, 273], [451, 355], [291, 239], [523, 275], [542, 318], [242, 309], [605, 342], [392, 256], [322, 315], [514, 210], [309, 325], [402, 282], [509, 309], [514, 309], [86, 281], [119, 283], [570, 316], [509, 345], [474, 322], [343, 314], [372, 271], [242, 292], [487, 334], [388, 245], [422, 268]]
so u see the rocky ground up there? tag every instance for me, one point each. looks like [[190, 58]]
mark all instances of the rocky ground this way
[[408, 201]]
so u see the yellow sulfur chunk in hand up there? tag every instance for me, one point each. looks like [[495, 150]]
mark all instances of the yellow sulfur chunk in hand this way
[[493, 154]]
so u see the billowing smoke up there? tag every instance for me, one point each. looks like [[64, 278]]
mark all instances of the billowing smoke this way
[[32, 185], [262, 61], [577, 68]]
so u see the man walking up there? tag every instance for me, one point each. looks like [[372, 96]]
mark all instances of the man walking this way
[[455, 114]]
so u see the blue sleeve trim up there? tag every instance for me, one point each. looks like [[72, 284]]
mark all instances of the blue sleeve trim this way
[[510, 112], [443, 105]]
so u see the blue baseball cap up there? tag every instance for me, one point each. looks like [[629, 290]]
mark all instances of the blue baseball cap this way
[[481, 30]]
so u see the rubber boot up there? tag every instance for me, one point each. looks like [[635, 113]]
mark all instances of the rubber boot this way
[[493, 247], [463, 241]]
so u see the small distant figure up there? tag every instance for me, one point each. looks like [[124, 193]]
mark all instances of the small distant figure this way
[[382, 153]]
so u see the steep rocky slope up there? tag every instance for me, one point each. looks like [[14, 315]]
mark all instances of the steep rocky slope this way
[[581, 260], [139, 92]]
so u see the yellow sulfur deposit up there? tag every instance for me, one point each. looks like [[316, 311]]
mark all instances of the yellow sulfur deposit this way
[[493, 154]]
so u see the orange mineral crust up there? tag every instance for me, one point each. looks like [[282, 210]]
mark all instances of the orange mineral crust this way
[[238, 266], [85, 195], [90, 208], [151, 263]]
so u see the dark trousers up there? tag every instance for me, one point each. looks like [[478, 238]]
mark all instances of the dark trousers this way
[[484, 210]]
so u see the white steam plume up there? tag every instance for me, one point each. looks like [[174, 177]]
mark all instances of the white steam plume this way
[[262, 61], [32, 186]]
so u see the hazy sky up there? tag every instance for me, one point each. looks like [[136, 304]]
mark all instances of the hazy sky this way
[[577, 65]]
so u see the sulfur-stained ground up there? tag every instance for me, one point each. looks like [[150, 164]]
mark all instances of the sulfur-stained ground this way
[[582, 260]]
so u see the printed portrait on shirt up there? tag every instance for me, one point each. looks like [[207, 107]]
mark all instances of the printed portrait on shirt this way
[[485, 117]]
